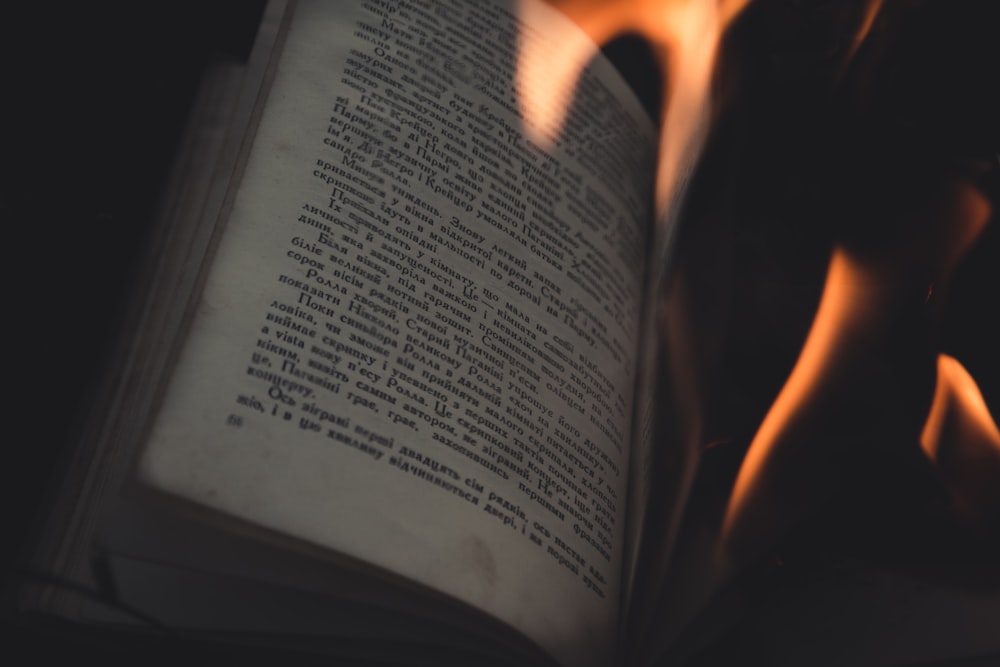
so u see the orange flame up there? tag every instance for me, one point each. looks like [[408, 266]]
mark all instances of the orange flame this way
[[872, 9], [685, 32], [789, 464], [961, 436], [840, 334], [849, 325]]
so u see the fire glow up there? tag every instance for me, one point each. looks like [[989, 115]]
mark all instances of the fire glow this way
[[850, 324], [686, 36]]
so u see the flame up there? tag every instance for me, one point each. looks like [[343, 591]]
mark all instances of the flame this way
[[850, 324], [686, 35], [872, 9], [958, 408], [840, 332], [962, 438], [789, 461]]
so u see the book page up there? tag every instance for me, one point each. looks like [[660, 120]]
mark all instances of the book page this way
[[416, 345]]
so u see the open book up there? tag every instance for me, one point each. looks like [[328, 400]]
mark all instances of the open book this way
[[383, 387], [390, 395]]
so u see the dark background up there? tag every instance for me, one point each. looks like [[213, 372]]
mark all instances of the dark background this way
[[95, 96], [94, 99]]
